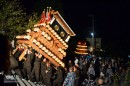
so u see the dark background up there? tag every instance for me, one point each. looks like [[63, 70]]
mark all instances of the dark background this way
[[111, 20]]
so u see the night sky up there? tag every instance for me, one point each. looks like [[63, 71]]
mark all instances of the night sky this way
[[111, 22], [111, 18]]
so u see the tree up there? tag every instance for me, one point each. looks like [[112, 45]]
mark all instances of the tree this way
[[32, 20], [12, 18]]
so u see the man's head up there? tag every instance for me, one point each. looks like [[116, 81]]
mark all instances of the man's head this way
[[48, 64], [44, 60], [71, 69], [69, 61], [100, 81]]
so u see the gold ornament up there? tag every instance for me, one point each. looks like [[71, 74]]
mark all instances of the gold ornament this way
[[56, 27]]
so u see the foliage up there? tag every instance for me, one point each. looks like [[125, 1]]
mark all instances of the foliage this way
[[12, 18], [116, 79], [127, 77], [32, 20]]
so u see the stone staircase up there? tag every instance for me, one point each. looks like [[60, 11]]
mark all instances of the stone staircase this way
[[15, 80]]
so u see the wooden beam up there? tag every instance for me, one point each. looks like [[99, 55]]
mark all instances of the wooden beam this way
[[22, 55]]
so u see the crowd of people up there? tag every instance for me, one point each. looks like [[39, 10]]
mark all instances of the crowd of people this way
[[36, 68], [86, 70], [83, 71], [93, 71]]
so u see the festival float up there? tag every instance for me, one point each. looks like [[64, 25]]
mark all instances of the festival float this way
[[49, 37], [81, 48]]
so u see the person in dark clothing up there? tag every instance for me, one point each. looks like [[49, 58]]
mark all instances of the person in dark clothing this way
[[27, 65], [36, 69], [84, 69], [96, 67], [14, 65], [70, 64], [81, 63], [4, 57], [48, 74], [59, 77], [43, 69], [77, 72]]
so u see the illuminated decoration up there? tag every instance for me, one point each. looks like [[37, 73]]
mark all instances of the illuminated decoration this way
[[48, 37], [56, 27], [91, 49], [28, 30], [23, 37], [36, 29], [62, 34], [67, 39], [81, 48]]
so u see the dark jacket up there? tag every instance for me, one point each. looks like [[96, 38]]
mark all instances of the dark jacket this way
[[59, 76]]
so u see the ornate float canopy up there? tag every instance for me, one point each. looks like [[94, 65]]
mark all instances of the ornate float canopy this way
[[81, 48], [49, 37]]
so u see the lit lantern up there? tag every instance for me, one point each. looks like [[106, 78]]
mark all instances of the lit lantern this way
[[28, 30], [44, 48], [34, 40], [54, 57], [55, 33], [64, 53], [57, 36], [60, 62], [48, 26], [43, 24], [36, 29], [43, 33], [52, 31], [41, 46], [62, 65], [25, 37], [28, 37], [59, 49], [49, 53], [49, 29], [48, 38], [61, 40], [18, 37], [37, 43], [66, 46]]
